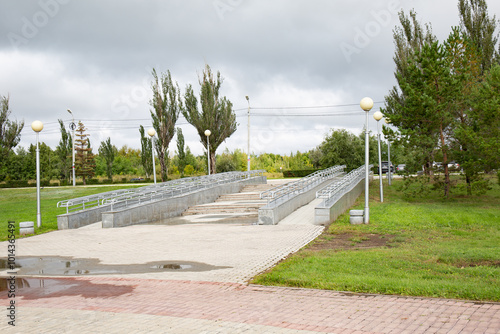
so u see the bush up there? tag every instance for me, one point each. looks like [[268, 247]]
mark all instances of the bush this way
[[188, 170], [45, 183], [299, 173], [16, 184], [416, 187], [92, 181]]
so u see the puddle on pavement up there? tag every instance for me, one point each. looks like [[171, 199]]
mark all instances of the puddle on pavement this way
[[61, 266], [36, 288]]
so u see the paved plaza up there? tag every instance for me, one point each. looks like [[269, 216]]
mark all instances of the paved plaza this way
[[193, 278]]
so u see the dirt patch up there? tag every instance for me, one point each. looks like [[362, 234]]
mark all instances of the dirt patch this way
[[351, 241]]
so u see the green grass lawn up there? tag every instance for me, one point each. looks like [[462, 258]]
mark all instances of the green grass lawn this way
[[20, 205], [435, 248]]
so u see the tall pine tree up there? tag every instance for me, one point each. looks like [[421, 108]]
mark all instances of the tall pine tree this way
[[84, 158]]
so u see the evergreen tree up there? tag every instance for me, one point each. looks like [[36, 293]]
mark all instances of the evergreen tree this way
[[417, 137], [84, 159], [216, 113]]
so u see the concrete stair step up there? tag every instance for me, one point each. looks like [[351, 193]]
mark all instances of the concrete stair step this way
[[256, 188], [219, 210], [239, 197]]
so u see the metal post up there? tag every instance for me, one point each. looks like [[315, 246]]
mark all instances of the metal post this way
[[208, 154], [153, 157], [389, 175], [367, 104], [248, 144], [367, 171], [38, 214], [73, 142], [72, 126], [380, 165]]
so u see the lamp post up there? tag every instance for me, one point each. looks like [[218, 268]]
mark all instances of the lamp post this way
[[378, 116], [72, 126], [151, 133], [208, 133], [37, 126], [366, 104], [389, 173], [248, 144]]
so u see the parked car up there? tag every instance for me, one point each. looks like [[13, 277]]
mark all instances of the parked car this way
[[137, 179], [401, 168], [385, 167], [454, 166]]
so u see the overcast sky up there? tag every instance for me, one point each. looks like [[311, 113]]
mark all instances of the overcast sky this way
[[288, 56]]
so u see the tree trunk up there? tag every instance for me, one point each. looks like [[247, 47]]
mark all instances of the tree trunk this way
[[212, 163], [445, 163], [469, 184], [163, 165]]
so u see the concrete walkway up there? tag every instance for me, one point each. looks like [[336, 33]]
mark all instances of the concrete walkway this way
[[213, 295]]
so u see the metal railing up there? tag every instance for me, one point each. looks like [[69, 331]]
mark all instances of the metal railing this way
[[128, 197], [284, 192], [86, 202], [333, 192]]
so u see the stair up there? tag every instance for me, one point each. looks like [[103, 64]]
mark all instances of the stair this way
[[245, 202]]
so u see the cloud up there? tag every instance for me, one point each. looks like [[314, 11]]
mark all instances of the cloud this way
[[96, 57]]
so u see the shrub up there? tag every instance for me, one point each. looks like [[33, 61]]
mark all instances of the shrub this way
[[299, 173], [416, 187], [188, 170]]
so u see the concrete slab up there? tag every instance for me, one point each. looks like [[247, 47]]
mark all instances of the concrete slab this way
[[245, 250]]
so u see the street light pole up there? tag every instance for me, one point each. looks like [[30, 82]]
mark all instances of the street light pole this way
[[37, 126], [389, 175], [151, 133], [367, 104], [378, 116], [72, 126], [248, 144], [208, 133]]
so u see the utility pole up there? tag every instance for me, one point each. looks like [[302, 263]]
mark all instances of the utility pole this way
[[72, 126], [248, 144]]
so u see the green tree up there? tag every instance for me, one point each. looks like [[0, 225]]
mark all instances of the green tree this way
[[127, 161], [166, 105], [108, 152], [21, 165], [342, 147], [216, 113], [64, 152], [146, 153], [482, 130], [479, 28], [413, 131], [10, 131], [181, 154], [84, 159]]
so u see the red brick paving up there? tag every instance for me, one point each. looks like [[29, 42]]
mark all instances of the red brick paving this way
[[299, 309]]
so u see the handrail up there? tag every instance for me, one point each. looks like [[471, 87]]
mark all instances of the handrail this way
[[333, 192], [288, 190], [126, 197]]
